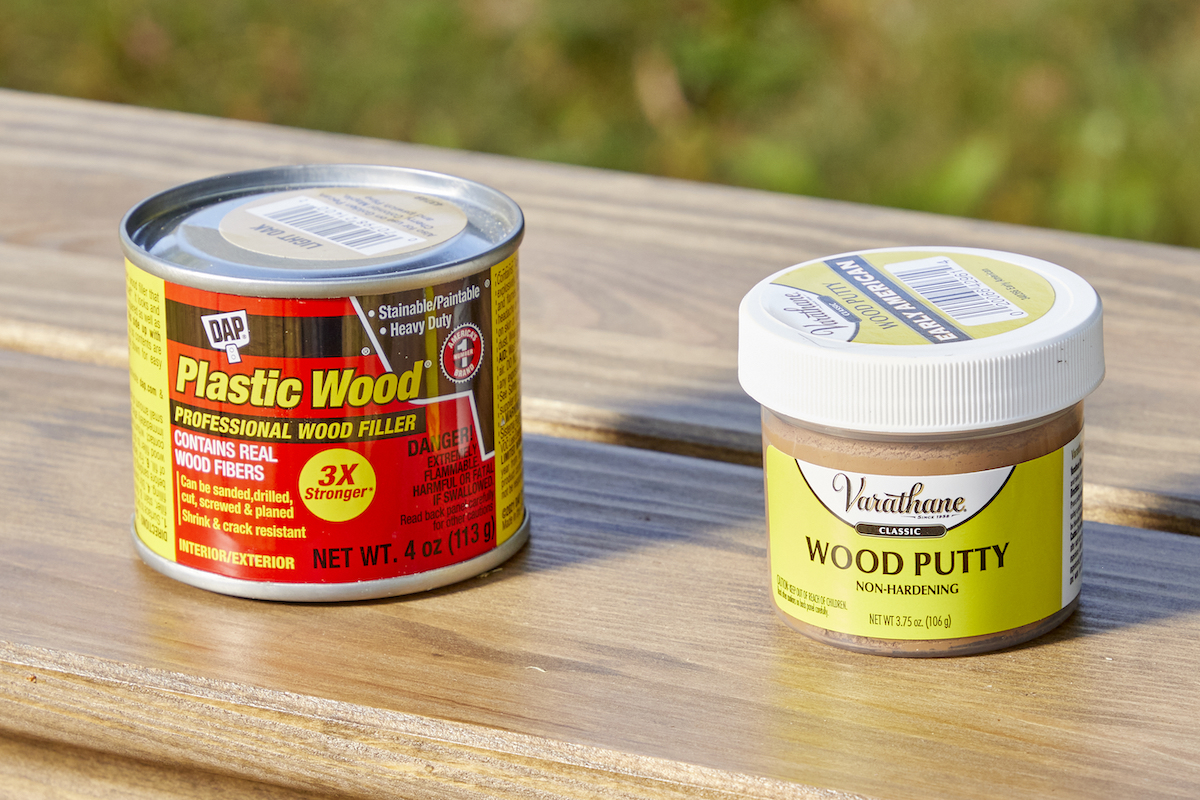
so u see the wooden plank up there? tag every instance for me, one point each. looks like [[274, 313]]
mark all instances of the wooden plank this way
[[628, 651], [254, 737], [630, 284], [33, 769], [629, 287]]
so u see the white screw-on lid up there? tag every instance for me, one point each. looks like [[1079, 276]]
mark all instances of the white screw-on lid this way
[[920, 340]]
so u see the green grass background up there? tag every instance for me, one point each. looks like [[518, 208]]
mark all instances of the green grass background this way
[[1074, 114]]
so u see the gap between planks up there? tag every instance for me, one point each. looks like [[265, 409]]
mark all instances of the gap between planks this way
[[1109, 504]]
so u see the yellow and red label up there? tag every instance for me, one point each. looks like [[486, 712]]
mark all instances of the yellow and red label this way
[[925, 557], [326, 440]]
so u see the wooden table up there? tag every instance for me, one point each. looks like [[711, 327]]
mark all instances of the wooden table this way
[[630, 650]]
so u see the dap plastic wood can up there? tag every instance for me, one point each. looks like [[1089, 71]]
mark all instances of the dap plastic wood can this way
[[325, 381]]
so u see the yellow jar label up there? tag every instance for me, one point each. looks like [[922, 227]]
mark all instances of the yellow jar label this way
[[925, 557], [908, 298]]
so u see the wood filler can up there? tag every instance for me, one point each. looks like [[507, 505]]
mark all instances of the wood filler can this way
[[324, 370], [922, 414]]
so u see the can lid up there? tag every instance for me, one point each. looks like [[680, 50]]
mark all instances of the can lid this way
[[920, 340], [320, 230]]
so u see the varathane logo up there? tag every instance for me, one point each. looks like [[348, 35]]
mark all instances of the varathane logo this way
[[228, 332], [901, 506]]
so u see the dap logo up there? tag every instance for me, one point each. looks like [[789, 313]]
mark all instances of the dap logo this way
[[228, 332]]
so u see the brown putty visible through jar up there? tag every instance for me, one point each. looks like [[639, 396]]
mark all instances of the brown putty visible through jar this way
[[922, 434]]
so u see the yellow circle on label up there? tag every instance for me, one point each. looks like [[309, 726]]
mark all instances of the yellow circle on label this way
[[337, 485]]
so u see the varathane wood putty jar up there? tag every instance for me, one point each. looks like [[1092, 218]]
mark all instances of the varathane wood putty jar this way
[[922, 412]]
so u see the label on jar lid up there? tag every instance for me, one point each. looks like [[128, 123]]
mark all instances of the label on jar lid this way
[[898, 297]]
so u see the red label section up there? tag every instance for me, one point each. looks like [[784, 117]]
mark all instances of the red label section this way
[[313, 442]]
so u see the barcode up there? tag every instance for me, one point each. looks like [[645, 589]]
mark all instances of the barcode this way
[[955, 292], [1075, 493], [336, 225]]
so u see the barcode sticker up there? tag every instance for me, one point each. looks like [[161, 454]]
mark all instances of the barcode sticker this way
[[335, 225], [955, 292]]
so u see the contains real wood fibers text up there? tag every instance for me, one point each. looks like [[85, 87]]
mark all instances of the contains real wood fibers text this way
[[324, 369], [923, 450]]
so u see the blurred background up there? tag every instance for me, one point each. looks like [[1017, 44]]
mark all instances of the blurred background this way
[[1071, 114]]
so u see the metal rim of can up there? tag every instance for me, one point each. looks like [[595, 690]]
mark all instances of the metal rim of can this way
[[493, 216]]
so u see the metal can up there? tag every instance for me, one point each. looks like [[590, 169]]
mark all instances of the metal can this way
[[325, 380]]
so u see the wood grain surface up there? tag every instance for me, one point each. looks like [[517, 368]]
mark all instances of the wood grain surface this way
[[630, 284], [628, 651], [33, 769]]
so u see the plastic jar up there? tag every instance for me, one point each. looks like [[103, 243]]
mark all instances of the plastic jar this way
[[922, 412]]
